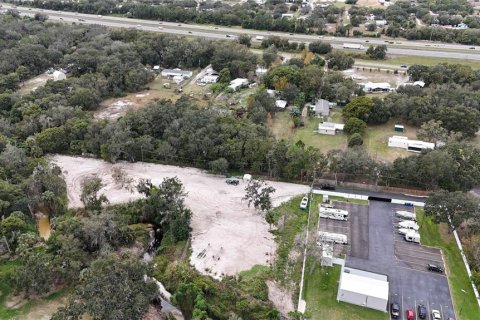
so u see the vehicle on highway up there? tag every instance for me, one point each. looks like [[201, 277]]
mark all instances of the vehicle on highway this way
[[233, 181], [473, 48], [61, 18], [259, 38], [100, 16], [353, 46], [422, 311], [327, 186], [410, 314], [216, 28], [139, 26], [304, 203], [434, 268], [228, 35], [395, 310], [189, 31], [160, 27], [436, 315], [404, 66], [291, 34]]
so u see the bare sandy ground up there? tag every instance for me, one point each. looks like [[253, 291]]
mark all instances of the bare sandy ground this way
[[280, 297], [227, 235]]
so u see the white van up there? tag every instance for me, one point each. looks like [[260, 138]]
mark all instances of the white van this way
[[412, 236]]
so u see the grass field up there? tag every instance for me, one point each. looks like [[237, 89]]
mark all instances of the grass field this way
[[324, 143], [429, 61], [437, 235], [376, 140], [321, 285]]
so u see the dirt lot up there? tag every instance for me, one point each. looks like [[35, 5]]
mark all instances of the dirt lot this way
[[33, 83], [116, 107], [227, 237], [363, 74]]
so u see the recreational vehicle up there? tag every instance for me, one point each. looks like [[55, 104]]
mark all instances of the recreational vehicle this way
[[331, 213]]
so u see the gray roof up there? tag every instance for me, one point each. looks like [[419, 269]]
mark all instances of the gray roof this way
[[329, 125], [322, 107]]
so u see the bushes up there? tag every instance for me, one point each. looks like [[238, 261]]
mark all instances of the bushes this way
[[355, 125], [355, 140]]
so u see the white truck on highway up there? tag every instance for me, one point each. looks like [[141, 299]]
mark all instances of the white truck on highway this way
[[409, 224], [332, 237], [259, 38], [353, 46], [407, 215], [332, 213], [412, 236]]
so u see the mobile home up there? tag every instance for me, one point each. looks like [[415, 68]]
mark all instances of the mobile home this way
[[332, 237]]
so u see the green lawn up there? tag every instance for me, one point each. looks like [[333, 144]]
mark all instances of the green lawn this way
[[323, 142], [438, 236], [6, 270], [428, 61], [321, 286], [342, 199]]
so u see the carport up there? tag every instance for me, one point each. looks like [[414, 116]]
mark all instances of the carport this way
[[363, 288]]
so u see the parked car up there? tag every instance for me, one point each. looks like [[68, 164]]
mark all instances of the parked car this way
[[410, 314], [436, 315], [422, 311], [434, 268], [232, 181], [395, 310], [304, 203], [326, 186]]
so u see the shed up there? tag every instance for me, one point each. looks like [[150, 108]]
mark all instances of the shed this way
[[59, 75], [376, 87], [327, 255], [330, 128], [247, 177], [366, 289], [237, 83], [282, 104], [399, 128]]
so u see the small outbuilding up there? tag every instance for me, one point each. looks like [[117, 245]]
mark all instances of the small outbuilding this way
[[281, 104], [399, 128], [238, 83], [410, 145], [330, 128], [376, 87], [59, 75], [362, 288]]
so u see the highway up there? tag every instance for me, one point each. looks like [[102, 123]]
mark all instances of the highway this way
[[395, 47]]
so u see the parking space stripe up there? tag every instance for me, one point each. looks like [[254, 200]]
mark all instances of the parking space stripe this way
[[427, 272]]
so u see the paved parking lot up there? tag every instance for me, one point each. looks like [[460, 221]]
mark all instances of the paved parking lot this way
[[405, 263], [356, 229]]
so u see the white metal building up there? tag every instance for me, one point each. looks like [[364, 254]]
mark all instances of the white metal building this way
[[330, 128], [363, 288], [237, 83], [176, 73], [410, 145], [376, 87], [282, 104]]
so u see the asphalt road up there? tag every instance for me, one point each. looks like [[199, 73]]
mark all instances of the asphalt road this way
[[404, 264], [380, 194], [395, 47]]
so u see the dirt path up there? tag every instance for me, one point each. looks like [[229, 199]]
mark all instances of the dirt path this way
[[227, 235]]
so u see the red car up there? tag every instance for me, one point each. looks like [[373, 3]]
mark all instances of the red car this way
[[410, 314]]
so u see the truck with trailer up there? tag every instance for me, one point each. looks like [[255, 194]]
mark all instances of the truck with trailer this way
[[406, 215], [353, 46], [412, 236], [332, 237], [332, 213], [409, 224]]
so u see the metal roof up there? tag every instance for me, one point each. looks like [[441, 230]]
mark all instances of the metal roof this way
[[363, 282]]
